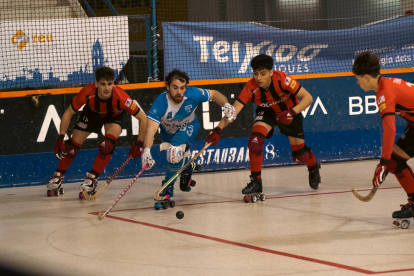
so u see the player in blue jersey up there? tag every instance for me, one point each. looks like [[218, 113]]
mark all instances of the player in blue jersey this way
[[174, 112]]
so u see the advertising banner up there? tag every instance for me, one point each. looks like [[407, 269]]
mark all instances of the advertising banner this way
[[39, 53], [342, 123], [219, 50]]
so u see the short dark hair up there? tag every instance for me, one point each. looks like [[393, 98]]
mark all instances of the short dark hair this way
[[366, 63], [105, 73], [177, 74], [261, 62]]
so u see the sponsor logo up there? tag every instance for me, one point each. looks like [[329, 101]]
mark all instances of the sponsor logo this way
[[20, 39], [188, 108], [258, 118], [201, 90], [255, 140], [169, 115], [397, 81], [133, 106], [287, 81], [382, 107], [381, 100], [128, 103], [82, 125], [293, 84]]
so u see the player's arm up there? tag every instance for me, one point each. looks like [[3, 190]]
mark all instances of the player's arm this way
[[217, 97], [146, 158], [305, 100], [214, 135], [64, 123], [142, 122], [152, 128]]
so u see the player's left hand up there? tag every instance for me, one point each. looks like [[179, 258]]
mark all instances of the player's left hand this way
[[136, 150], [379, 175], [230, 112], [285, 117]]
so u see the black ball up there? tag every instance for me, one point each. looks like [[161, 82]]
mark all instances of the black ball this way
[[179, 214]]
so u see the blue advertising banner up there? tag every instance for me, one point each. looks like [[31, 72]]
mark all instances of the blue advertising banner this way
[[217, 50]]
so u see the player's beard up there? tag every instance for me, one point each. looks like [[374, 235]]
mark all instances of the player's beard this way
[[179, 100]]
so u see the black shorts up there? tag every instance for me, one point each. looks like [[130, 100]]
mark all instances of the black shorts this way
[[406, 141], [89, 121], [268, 116]]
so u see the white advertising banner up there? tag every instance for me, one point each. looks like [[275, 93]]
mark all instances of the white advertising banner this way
[[39, 53]]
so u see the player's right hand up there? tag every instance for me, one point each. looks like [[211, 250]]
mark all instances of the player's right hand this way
[[213, 136], [379, 175], [60, 147], [146, 158]]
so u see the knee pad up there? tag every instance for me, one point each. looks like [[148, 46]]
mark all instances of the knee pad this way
[[255, 144], [396, 164], [106, 146], [301, 156], [174, 154], [71, 148]]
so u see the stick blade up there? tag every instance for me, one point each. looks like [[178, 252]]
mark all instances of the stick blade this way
[[101, 215], [365, 198]]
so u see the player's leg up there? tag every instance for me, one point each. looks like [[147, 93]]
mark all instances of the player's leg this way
[[301, 154], [402, 152], [72, 147], [260, 130], [106, 149], [184, 136]]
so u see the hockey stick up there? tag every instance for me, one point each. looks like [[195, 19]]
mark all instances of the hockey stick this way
[[102, 214], [157, 193], [93, 197], [365, 198]]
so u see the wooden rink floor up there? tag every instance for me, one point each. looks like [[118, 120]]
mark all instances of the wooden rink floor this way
[[296, 231]]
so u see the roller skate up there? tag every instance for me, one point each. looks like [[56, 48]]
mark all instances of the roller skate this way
[[89, 185], [253, 191], [168, 192], [185, 179], [314, 176], [402, 217], [54, 187]]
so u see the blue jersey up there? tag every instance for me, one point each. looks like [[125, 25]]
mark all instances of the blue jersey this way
[[172, 117]]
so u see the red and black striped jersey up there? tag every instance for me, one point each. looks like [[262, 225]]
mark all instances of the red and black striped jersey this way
[[394, 96], [281, 94], [111, 107]]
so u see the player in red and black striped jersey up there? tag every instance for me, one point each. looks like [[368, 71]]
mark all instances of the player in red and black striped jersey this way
[[276, 95], [105, 105], [394, 97]]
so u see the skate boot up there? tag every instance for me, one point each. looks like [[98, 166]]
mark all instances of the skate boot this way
[[89, 185], [54, 187], [185, 178], [402, 217], [253, 191], [168, 192], [314, 177]]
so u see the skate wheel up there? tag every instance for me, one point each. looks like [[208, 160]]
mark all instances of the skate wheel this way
[[50, 193], [62, 191], [405, 224], [172, 204], [396, 223], [246, 199], [262, 197], [56, 192], [253, 198], [164, 205], [81, 196], [193, 183]]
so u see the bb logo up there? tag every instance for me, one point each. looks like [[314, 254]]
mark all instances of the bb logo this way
[[20, 39]]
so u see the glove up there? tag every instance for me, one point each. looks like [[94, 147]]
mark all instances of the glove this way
[[230, 112], [380, 174], [285, 117], [60, 149], [213, 136], [136, 150], [146, 158]]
